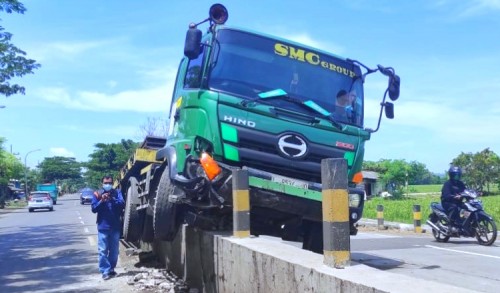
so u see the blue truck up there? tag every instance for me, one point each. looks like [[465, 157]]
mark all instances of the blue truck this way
[[50, 187]]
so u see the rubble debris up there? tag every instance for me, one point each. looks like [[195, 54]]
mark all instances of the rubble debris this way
[[158, 280]]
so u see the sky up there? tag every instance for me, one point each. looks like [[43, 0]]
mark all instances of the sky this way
[[109, 66]]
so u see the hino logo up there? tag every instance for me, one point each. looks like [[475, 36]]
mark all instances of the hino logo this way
[[239, 121], [292, 145]]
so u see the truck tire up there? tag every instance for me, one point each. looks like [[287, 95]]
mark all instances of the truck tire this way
[[313, 236], [148, 234], [167, 215], [132, 221]]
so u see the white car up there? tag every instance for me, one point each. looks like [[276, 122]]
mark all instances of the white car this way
[[40, 200]]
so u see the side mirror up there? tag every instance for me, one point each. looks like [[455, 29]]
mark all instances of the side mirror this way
[[193, 42], [394, 82], [389, 110]]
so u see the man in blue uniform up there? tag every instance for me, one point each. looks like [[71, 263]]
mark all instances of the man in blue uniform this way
[[108, 204]]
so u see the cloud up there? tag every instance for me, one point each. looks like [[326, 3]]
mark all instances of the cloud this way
[[68, 50], [112, 83], [449, 122], [115, 131], [61, 152], [478, 7], [154, 98], [75, 48], [467, 9], [306, 39]]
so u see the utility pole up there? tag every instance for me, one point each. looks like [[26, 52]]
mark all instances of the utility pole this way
[[406, 183], [26, 173]]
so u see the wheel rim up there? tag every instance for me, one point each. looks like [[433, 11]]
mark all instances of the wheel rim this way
[[440, 237], [486, 232]]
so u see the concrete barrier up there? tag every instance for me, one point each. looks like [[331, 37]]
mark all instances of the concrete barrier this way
[[218, 262]]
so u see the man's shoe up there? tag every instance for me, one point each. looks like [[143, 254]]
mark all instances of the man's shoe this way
[[105, 277], [112, 274]]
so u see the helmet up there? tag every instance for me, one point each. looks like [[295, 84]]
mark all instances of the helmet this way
[[455, 173]]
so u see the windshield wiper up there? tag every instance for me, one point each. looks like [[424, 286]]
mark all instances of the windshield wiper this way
[[327, 115], [281, 94], [274, 94]]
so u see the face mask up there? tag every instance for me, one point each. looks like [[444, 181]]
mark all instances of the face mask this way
[[107, 187]]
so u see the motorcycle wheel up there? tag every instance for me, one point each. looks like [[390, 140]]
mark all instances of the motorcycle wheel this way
[[486, 232], [440, 237]]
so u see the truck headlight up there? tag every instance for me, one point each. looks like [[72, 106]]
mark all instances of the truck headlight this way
[[354, 200]]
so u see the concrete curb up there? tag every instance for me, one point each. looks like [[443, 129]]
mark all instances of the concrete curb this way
[[393, 225]]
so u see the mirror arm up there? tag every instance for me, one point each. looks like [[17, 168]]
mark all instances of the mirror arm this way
[[380, 114]]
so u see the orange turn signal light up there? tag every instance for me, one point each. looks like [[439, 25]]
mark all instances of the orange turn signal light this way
[[210, 166], [357, 178]]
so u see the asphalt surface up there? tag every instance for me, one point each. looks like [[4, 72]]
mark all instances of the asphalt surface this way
[[54, 251]]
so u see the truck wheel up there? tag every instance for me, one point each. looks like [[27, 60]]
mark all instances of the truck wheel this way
[[148, 234], [132, 223], [313, 236], [167, 216]]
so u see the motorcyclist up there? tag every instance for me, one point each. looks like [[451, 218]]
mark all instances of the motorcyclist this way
[[450, 195]]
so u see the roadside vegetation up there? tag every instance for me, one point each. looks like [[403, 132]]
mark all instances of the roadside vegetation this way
[[481, 171], [401, 210], [431, 188], [15, 204]]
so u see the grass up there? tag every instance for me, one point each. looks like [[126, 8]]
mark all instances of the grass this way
[[402, 210], [15, 204], [436, 188], [431, 188]]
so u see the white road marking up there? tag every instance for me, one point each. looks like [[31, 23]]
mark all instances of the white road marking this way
[[464, 252], [83, 223], [364, 235], [91, 240], [86, 230]]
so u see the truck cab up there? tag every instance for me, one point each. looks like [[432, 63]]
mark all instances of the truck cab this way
[[274, 107]]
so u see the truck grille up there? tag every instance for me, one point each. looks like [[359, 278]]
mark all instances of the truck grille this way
[[261, 151]]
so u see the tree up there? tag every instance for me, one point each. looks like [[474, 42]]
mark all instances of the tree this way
[[395, 174], [13, 62], [10, 168], [154, 127], [480, 169], [59, 168], [108, 159]]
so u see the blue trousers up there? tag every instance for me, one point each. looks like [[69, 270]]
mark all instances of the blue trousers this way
[[108, 244]]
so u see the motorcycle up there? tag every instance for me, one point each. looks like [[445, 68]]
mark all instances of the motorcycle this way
[[474, 221]]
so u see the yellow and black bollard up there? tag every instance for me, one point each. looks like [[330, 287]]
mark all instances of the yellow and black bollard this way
[[417, 218], [336, 241], [380, 217], [241, 204]]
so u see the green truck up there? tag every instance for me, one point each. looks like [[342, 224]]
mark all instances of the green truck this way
[[50, 187], [248, 100]]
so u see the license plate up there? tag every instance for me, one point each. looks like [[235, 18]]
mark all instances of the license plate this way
[[290, 181], [39, 200]]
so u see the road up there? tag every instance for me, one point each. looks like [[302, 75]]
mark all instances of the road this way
[[56, 252], [53, 251], [461, 262]]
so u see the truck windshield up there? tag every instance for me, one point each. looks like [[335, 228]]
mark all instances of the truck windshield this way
[[245, 65]]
